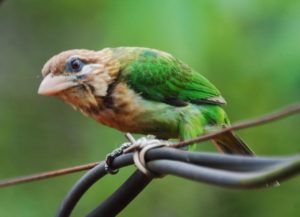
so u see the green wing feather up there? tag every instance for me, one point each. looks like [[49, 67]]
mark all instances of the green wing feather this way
[[160, 77]]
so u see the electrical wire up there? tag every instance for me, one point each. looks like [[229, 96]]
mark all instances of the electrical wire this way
[[232, 171]]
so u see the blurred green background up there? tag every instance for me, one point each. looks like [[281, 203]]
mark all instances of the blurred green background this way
[[249, 49]]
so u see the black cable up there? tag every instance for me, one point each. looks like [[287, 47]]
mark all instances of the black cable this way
[[244, 180], [86, 181], [123, 196], [218, 169], [215, 160]]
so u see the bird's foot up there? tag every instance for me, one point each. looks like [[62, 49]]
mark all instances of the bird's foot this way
[[130, 146], [111, 156]]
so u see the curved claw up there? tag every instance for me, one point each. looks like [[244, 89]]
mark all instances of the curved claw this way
[[108, 164], [110, 158]]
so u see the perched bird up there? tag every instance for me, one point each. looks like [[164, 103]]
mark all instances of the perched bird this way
[[140, 90]]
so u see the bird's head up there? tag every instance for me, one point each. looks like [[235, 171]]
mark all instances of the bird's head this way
[[79, 77]]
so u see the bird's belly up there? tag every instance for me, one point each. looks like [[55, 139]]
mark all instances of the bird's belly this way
[[148, 117]]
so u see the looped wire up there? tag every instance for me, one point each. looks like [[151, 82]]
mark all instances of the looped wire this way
[[140, 148]]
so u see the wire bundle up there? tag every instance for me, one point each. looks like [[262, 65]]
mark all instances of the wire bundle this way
[[232, 171]]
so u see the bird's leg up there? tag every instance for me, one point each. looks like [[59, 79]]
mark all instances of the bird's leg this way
[[130, 146], [111, 156], [118, 152]]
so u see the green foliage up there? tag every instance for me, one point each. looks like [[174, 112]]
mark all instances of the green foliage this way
[[249, 49]]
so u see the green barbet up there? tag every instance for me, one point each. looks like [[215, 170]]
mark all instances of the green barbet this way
[[140, 90]]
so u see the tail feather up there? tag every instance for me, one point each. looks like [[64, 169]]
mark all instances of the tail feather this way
[[231, 144]]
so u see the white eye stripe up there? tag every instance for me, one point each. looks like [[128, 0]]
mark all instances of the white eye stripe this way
[[89, 69]]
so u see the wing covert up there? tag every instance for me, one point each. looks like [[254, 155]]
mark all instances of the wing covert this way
[[159, 76]]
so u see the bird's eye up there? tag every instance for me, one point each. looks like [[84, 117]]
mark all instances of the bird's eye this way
[[75, 65]]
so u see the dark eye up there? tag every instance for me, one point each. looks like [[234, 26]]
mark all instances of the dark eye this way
[[75, 65]]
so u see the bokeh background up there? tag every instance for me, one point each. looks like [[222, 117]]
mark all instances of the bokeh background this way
[[249, 49]]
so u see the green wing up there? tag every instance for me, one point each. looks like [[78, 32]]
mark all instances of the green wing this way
[[160, 77]]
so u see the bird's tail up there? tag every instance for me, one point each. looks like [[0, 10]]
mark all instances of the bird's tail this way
[[232, 144]]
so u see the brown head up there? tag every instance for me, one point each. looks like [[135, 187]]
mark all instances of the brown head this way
[[79, 77]]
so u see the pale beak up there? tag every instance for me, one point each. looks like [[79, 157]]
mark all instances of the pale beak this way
[[53, 84]]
